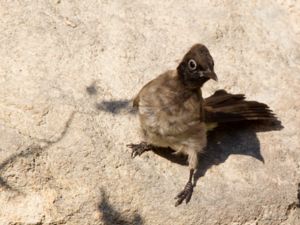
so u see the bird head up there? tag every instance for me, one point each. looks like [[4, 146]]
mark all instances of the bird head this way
[[196, 67]]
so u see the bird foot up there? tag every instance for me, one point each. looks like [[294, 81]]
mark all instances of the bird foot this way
[[185, 194], [138, 149]]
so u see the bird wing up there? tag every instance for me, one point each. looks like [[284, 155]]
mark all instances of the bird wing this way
[[225, 107]]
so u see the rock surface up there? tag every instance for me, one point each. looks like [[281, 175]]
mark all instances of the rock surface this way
[[67, 71]]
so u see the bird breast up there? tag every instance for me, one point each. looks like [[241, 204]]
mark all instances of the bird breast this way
[[167, 115]]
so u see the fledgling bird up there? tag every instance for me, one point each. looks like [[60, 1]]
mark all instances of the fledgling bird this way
[[174, 115]]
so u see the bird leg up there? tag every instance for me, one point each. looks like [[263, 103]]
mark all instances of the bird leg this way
[[187, 192], [139, 149]]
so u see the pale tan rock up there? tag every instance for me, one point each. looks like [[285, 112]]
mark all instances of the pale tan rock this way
[[67, 72]]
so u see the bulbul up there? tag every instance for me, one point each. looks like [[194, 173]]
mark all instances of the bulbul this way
[[173, 113]]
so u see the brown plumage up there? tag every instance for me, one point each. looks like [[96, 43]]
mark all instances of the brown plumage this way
[[223, 107], [173, 113]]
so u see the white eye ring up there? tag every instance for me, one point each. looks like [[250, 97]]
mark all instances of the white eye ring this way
[[192, 64]]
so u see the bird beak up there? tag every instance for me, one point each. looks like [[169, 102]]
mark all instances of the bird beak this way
[[213, 75], [209, 74]]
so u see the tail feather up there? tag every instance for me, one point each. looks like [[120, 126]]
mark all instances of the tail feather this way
[[223, 107]]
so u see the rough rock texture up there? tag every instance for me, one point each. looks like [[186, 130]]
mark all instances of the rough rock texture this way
[[67, 71]]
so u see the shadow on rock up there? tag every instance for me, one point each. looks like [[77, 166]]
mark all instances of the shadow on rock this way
[[92, 89], [238, 139], [110, 216], [116, 107]]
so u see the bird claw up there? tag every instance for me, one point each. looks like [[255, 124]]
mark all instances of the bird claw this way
[[139, 149], [185, 194]]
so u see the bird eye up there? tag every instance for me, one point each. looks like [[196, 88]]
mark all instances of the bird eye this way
[[192, 64]]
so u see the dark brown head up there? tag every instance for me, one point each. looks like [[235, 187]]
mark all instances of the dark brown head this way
[[196, 67]]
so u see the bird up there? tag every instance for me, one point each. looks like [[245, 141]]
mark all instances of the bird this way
[[173, 114]]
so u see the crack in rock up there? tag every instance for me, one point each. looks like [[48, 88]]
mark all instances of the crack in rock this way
[[31, 150]]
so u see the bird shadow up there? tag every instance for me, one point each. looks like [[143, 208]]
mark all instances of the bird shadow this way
[[110, 216], [116, 106], [110, 106], [223, 141]]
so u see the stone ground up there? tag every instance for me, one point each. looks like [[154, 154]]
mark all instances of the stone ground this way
[[68, 70]]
